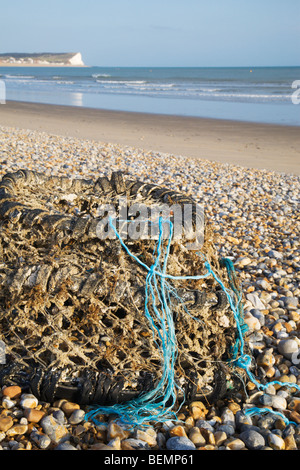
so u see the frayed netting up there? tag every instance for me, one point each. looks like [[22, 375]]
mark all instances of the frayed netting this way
[[73, 302]]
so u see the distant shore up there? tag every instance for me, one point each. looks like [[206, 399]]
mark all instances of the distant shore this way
[[41, 65], [261, 146]]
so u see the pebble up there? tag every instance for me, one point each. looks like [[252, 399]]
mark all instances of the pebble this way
[[17, 429], [14, 391], [198, 410], [197, 438], [220, 437], [235, 444], [115, 443], [255, 301], [114, 430], [279, 403], [34, 416], [228, 429], [255, 220], [180, 443], [290, 443], [68, 408], [41, 440], [77, 416], [276, 442], [134, 444], [28, 401], [59, 416], [149, 436], [65, 446], [252, 322], [6, 422], [178, 431], [203, 424], [252, 439], [7, 403], [288, 347], [56, 431], [244, 261], [266, 358], [259, 315]]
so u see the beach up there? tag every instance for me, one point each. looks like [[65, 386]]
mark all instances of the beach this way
[[261, 146], [247, 177]]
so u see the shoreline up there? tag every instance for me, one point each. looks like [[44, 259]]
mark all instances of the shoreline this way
[[259, 146], [42, 65]]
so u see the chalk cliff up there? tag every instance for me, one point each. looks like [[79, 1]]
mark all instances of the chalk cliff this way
[[42, 59], [76, 59]]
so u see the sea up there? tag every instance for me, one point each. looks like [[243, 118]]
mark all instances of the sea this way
[[258, 94]]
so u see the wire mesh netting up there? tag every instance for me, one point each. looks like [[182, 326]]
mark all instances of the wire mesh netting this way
[[72, 299]]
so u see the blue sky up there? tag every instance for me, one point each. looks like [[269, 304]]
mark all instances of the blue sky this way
[[156, 32]]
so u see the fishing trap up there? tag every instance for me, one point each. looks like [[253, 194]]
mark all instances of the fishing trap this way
[[93, 315]]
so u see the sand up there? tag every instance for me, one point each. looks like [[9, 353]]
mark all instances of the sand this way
[[250, 145]]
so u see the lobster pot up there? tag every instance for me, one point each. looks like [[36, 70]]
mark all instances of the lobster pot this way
[[72, 297]]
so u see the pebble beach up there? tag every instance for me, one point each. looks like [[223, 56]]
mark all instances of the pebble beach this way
[[255, 216]]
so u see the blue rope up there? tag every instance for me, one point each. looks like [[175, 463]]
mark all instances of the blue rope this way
[[158, 403], [256, 411]]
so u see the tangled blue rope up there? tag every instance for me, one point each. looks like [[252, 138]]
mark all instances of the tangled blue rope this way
[[158, 404], [243, 360]]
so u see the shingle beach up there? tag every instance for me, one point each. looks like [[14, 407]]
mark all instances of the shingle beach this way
[[255, 217]]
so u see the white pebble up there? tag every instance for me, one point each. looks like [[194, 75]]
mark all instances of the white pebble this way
[[28, 401], [279, 403], [7, 403]]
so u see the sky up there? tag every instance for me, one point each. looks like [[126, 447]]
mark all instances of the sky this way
[[162, 33]]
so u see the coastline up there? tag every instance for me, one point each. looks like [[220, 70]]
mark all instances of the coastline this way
[[42, 65], [261, 146]]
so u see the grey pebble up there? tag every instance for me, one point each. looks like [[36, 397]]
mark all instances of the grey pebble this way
[[227, 428], [202, 423], [137, 444], [266, 399], [41, 440], [77, 417], [242, 420], [253, 440], [59, 415], [180, 443], [266, 422], [65, 446], [227, 417], [259, 315], [274, 254]]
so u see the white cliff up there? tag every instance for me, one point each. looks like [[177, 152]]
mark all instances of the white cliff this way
[[43, 59], [77, 60]]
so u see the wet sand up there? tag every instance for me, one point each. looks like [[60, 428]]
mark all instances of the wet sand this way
[[260, 146]]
